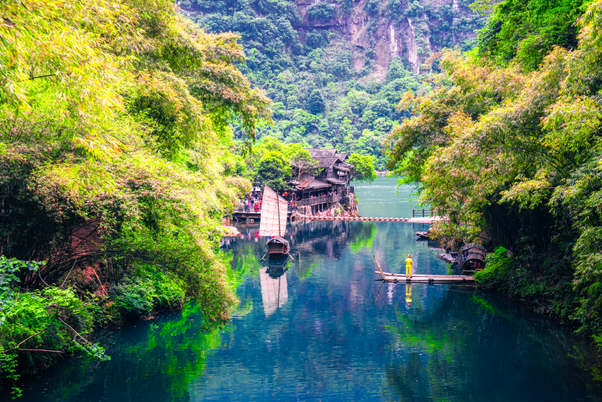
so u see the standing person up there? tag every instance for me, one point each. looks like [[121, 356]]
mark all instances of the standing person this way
[[409, 266]]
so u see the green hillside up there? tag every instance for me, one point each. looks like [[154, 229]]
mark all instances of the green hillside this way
[[331, 88]]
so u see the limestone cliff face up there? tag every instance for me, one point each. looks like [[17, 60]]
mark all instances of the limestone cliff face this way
[[380, 30]]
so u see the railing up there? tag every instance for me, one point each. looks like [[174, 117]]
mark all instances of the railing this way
[[421, 213], [323, 199]]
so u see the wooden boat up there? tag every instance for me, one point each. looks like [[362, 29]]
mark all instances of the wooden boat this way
[[473, 258], [273, 222], [278, 246], [424, 235]]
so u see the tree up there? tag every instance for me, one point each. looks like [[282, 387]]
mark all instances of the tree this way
[[316, 102], [512, 158], [321, 11], [363, 167], [302, 162], [527, 30], [274, 170], [119, 126]]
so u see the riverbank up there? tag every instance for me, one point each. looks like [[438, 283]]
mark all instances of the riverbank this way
[[42, 327]]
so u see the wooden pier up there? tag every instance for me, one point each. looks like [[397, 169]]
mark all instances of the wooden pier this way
[[368, 219], [389, 277], [254, 217]]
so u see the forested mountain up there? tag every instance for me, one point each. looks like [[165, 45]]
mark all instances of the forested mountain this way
[[336, 69]]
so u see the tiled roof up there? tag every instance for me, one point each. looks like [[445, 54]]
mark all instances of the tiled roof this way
[[335, 181], [315, 184], [326, 163], [322, 152]]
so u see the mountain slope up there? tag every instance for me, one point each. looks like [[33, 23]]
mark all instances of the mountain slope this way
[[335, 69]]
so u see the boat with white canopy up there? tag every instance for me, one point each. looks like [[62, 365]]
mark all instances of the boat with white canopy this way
[[273, 222]]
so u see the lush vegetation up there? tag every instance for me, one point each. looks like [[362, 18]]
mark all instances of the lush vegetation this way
[[115, 164], [526, 31], [510, 153], [320, 98], [274, 163]]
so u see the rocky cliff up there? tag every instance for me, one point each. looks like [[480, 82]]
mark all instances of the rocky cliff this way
[[380, 30]]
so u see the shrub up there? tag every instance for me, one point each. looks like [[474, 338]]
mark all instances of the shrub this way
[[136, 297], [496, 267], [40, 326]]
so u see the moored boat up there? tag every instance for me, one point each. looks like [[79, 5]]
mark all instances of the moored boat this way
[[278, 245], [273, 222]]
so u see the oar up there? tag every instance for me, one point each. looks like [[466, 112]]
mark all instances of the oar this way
[[379, 268]]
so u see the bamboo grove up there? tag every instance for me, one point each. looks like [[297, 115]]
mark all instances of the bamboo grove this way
[[114, 148], [508, 149]]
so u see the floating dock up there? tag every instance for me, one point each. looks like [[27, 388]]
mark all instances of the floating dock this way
[[254, 217], [389, 277], [368, 219]]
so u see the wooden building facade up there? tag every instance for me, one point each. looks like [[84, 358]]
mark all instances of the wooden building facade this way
[[330, 186]]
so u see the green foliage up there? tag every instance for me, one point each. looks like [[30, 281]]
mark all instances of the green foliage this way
[[274, 171], [363, 239], [316, 102], [136, 297], [321, 11], [527, 30], [36, 327], [272, 161], [9, 269], [302, 162], [513, 158], [364, 167], [120, 126], [496, 268]]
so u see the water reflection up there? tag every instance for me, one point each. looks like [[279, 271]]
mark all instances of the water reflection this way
[[321, 327], [274, 291], [409, 294]]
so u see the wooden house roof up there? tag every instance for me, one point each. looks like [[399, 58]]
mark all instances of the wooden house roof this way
[[309, 182], [328, 157], [322, 152]]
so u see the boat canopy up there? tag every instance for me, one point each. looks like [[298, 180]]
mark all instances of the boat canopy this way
[[278, 239], [274, 210]]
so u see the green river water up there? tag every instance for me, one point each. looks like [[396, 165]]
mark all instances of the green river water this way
[[323, 328]]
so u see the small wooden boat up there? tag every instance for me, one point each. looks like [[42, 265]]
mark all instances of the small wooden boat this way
[[424, 235], [278, 245], [273, 222], [473, 258]]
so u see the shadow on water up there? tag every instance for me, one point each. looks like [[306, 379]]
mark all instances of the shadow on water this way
[[321, 327]]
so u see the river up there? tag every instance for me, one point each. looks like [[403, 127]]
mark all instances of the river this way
[[323, 328]]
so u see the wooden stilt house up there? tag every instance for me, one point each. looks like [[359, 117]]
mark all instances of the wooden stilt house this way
[[330, 186]]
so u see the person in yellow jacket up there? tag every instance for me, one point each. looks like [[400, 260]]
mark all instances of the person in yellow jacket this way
[[409, 266]]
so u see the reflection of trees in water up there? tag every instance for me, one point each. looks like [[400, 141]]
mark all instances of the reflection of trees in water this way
[[453, 359], [403, 381], [311, 242], [154, 361], [316, 241]]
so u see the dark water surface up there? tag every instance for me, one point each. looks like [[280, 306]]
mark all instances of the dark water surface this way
[[324, 329]]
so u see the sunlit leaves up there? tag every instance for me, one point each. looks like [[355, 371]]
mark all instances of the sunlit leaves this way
[[118, 111]]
